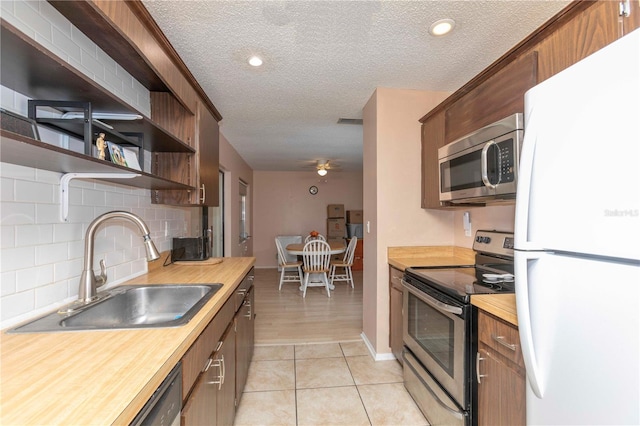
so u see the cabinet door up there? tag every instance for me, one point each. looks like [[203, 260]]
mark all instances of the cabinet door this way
[[225, 360], [500, 96], [432, 139], [200, 408], [208, 157], [501, 391], [244, 341]]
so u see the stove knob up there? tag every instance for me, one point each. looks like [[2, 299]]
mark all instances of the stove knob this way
[[478, 239], [487, 240]]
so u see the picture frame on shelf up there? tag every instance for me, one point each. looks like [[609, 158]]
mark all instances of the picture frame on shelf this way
[[131, 157], [117, 155]]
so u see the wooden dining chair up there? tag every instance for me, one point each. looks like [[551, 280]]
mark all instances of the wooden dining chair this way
[[316, 256], [346, 263], [287, 266]]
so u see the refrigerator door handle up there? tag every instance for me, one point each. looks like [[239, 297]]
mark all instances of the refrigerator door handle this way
[[525, 174], [521, 264]]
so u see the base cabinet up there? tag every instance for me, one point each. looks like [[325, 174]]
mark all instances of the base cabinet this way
[[395, 312], [215, 368], [501, 373]]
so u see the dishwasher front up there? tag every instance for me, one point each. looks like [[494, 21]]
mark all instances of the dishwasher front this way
[[163, 408]]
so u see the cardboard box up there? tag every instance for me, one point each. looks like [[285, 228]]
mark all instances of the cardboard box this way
[[355, 216], [336, 228], [335, 211]]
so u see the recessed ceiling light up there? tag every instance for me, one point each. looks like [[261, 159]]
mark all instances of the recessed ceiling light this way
[[441, 27], [255, 61]]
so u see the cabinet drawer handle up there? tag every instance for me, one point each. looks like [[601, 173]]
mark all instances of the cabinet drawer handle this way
[[208, 365], [204, 194], [500, 340], [478, 375], [248, 305], [220, 379]]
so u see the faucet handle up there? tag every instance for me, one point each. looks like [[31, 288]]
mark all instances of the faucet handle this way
[[102, 278]]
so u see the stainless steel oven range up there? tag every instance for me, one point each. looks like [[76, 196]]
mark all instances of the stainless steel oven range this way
[[440, 332]]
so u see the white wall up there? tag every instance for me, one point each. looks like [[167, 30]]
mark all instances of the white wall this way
[[40, 256], [284, 206]]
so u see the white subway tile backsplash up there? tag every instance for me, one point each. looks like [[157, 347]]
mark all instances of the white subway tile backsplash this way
[[92, 197], [50, 253], [7, 283], [63, 42], [17, 258], [26, 279], [49, 294], [34, 192], [7, 189], [46, 42], [46, 213], [7, 236], [16, 304], [89, 61], [70, 269], [56, 19], [31, 235], [17, 213], [84, 42], [67, 232], [14, 171], [30, 15]]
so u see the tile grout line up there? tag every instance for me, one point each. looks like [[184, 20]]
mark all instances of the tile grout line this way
[[356, 385]]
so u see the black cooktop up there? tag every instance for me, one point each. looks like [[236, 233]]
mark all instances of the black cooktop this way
[[461, 282]]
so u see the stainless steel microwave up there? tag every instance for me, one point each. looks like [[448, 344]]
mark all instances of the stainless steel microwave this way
[[482, 167]]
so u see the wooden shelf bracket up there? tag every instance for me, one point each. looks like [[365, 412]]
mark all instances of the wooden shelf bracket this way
[[67, 177]]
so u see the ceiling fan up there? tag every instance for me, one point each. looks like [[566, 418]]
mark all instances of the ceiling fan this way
[[323, 166]]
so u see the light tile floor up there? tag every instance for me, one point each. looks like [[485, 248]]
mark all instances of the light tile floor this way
[[324, 384]]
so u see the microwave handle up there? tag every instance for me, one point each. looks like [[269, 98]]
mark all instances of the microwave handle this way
[[485, 165]]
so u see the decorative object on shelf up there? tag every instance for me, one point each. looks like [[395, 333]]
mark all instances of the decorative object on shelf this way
[[131, 158], [102, 146], [117, 156], [313, 190], [18, 124]]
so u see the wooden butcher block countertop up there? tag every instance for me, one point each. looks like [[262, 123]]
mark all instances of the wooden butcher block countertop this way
[[104, 377], [406, 257], [501, 305]]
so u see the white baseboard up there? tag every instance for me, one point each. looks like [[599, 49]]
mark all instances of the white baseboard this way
[[377, 357]]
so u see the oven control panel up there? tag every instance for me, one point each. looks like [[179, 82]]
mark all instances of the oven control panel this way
[[494, 242]]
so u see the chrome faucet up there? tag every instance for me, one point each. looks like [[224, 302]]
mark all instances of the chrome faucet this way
[[89, 283]]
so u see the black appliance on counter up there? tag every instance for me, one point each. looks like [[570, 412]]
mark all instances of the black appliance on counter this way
[[440, 332]]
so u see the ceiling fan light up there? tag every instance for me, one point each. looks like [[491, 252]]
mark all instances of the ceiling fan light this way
[[322, 172], [255, 61], [441, 27]]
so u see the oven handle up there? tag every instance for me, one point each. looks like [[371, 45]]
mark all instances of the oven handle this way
[[431, 300]]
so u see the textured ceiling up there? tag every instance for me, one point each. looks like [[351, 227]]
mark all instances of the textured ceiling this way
[[323, 61]]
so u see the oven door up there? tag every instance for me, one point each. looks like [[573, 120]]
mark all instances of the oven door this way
[[435, 332], [481, 172]]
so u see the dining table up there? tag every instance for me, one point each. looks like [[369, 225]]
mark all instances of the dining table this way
[[297, 249], [335, 247]]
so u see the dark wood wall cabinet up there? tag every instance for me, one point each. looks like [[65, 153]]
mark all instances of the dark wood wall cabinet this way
[[579, 30], [181, 134]]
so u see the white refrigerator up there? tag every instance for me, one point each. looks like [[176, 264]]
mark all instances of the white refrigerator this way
[[577, 241]]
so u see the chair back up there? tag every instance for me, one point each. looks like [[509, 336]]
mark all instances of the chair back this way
[[316, 256], [282, 257], [318, 237], [350, 251]]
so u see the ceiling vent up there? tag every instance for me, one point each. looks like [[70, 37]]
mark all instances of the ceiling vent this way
[[350, 121]]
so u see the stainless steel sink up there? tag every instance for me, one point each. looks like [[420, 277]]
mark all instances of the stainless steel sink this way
[[125, 307]]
